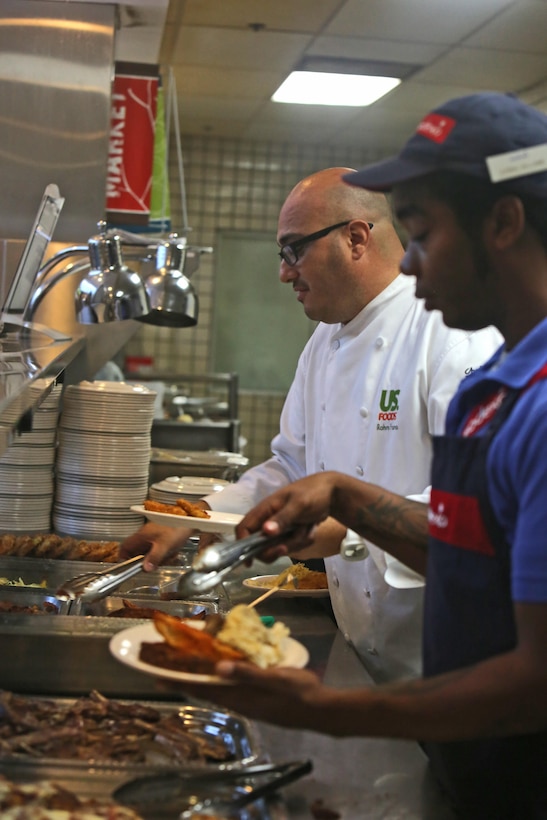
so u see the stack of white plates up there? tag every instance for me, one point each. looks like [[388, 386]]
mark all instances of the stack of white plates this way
[[103, 459], [26, 468], [189, 487]]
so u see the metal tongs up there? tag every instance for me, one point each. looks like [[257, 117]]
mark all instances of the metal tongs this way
[[196, 792], [91, 586], [215, 562], [208, 569]]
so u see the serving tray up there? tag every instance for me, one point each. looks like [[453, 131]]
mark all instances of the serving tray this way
[[231, 735], [106, 607], [98, 780]]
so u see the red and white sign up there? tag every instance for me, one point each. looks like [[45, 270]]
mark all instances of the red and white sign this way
[[131, 146]]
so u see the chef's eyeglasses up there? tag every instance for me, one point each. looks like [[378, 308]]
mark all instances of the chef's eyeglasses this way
[[289, 252]]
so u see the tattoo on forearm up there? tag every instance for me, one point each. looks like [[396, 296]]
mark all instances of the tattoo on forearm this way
[[388, 517]]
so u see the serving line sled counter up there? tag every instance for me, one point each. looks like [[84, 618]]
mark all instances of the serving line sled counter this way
[[68, 656]]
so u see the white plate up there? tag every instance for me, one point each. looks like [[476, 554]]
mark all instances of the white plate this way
[[218, 521], [120, 388], [125, 646], [191, 485], [264, 582]]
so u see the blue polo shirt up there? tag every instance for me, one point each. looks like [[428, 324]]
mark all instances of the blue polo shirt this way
[[517, 459]]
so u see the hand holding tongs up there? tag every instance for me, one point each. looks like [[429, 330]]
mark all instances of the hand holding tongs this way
[[94, 585], [215, 562], [208, 569]]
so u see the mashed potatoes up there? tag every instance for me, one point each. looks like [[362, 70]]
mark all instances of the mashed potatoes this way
[[244, 630]]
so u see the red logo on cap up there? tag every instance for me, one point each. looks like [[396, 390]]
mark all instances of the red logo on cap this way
[[436, 127]]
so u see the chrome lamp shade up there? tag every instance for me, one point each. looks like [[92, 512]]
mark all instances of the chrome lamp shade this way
[[173, 300], [110, 291]]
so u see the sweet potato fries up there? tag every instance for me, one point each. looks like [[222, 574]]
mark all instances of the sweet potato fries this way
[[186, 649]]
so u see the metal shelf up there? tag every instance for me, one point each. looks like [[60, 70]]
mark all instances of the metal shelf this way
[[29, 358]]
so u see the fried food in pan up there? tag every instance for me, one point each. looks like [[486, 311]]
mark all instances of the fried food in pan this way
[[48, 545]]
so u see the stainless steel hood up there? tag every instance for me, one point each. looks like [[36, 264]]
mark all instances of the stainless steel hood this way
[[56, 63], [56, 69]]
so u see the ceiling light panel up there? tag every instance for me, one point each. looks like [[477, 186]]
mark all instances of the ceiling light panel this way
[[321, 88]]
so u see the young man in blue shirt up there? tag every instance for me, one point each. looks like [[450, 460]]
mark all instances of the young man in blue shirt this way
[[470, 188]]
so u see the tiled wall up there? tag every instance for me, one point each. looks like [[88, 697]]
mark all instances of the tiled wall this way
[[241, 186]]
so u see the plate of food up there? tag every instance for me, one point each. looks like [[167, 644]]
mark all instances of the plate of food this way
[[187, 651], [296, 581], [220, 522]]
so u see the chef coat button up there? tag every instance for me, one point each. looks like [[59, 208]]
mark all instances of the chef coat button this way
[[336, 344], [346, 636], [363, 412], [359, 470], [322, 465], [335, 581], [323, 407], [380, 342]]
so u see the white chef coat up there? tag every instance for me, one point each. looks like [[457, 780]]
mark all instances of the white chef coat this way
[[366, 399]]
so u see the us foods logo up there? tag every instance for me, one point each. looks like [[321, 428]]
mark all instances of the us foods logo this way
[[389, 405]]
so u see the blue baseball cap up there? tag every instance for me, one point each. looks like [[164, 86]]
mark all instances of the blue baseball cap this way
[[483, 135]]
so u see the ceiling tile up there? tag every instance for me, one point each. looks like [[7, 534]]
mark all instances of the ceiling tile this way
[[486, 70], [237, 49], [435, 21], [520, 28], [365, 48], [311, 115], [202, 81], [419, 98], [280, 15]]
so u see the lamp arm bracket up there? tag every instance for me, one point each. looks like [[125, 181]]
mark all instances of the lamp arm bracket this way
[[44, 287]]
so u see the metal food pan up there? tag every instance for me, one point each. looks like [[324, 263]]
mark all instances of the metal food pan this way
[[107, 606], [233, 733], [31, 597], [161, 585], [37, 570], [55, 572]]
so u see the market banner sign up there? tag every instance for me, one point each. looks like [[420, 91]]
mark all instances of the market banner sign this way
[[131, 145]]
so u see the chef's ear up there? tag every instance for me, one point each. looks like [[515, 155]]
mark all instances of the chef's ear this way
[[359, 234]]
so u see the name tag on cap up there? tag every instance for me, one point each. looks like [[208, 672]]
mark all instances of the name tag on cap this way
[[520, 163]]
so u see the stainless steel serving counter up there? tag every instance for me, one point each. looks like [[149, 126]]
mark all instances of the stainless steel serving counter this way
[[353, 778]]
